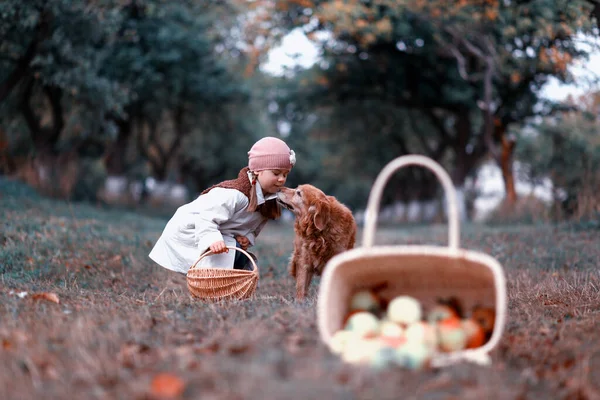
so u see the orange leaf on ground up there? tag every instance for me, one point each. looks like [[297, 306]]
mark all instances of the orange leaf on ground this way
[[238, 348], [167, 385], [211, 348], [47, 296]]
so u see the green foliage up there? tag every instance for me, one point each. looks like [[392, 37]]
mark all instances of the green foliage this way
[[397, 77], [112, 68], [164, 56], [432, 60], [415, 49], [70, 46]]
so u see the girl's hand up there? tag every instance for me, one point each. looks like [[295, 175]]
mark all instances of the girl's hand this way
[[243, 241], [219, 247]]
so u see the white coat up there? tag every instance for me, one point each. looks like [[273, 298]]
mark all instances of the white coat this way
[[217, 215]]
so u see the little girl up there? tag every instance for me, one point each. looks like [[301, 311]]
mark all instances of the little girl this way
[[231, 213]]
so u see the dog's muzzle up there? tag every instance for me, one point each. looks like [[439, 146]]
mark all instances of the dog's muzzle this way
[[284, 204]]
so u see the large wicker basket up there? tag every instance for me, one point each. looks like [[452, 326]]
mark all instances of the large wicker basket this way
[[424, 272], [216, 284]]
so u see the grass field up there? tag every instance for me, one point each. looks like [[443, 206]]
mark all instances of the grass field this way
[[124, 328]]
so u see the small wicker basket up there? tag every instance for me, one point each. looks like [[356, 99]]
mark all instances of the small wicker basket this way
[[424, 272], [216, 284]]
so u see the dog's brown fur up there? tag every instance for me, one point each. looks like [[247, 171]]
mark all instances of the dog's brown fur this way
[[323, 228]]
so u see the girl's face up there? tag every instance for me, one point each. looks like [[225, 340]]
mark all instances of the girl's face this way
[[272, 179]]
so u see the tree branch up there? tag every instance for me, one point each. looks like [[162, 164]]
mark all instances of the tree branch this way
[[487, 57], [462, 69]]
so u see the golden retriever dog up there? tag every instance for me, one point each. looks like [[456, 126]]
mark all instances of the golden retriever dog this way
[[323, 227]]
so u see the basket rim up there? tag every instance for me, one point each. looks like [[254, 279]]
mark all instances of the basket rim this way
[[419, 250], [231, 273], [210, 253]]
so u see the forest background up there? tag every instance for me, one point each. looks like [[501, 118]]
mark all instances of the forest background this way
[[145, 103]]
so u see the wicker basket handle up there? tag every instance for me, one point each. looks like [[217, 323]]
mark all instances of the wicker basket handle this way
[[209, 253], [384, 176]]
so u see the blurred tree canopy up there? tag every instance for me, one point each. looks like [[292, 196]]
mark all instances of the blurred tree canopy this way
[[131, 79], [441, 78], [52, 53], [565, 148], [174, 90]]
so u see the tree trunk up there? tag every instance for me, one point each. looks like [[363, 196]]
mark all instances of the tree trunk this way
[[115, 159], [506, 162], [44, 138], [153, 151], [460, 169], [507, 171], [462, 128], [466, 161]]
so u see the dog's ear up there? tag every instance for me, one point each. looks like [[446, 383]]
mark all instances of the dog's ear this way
[[321, 215]]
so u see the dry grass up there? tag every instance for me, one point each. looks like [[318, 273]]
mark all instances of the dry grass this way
[[122, 321]]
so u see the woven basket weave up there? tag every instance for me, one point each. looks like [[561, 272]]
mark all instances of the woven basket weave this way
[[424, 272], [222, 284]]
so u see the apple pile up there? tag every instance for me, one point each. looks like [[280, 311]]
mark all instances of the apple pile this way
[[403, 333]]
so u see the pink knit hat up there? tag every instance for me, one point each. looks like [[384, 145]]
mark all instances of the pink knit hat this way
[[270, 153]]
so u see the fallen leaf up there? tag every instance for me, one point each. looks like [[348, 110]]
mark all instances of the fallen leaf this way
[[47, 296], [211, 348], [167, 385], [342, 377], [6, 344], [238, 348]]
